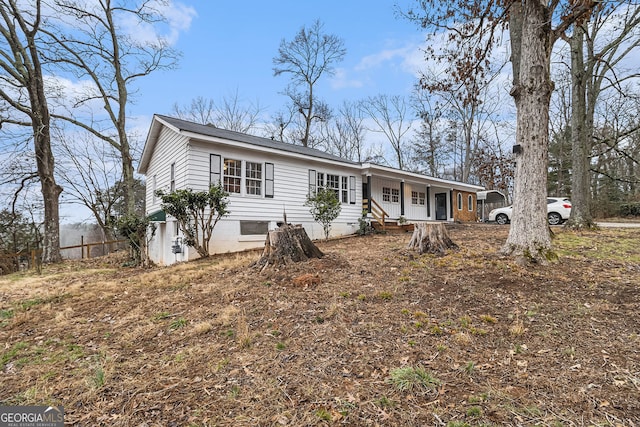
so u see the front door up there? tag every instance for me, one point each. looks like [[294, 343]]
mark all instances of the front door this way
[[365, 195], [441, 206]]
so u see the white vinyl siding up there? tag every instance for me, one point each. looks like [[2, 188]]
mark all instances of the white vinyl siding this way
[[282, 179], [387, 193], [415, 202], [169, 149]]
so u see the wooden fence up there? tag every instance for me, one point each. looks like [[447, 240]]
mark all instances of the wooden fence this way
[[106, 247], [27, 259], [18, 261]]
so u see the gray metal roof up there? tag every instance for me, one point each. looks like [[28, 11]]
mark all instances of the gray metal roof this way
[[209, 130]]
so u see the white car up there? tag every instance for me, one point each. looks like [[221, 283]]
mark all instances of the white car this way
[[558, 211]]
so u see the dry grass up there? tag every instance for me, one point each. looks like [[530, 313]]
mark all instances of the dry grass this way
[[370, 335]]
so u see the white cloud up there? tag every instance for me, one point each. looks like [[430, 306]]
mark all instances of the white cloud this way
[[179, 17], [67, 93], [178, 20], [341, 80], [405, 57]]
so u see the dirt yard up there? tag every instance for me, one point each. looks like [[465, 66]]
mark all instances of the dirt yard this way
[[370, 335]]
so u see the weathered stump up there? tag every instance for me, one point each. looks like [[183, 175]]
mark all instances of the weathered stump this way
[[285, 245], [431, 238]]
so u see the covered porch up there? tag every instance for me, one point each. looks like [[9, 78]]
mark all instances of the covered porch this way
[[391, 196]]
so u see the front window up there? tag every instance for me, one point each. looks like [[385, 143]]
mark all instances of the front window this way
[[395, 195], [333, 183], [254, 178], [232, 175], [459, 201], [386, 194], [417, 198], [470, 202]]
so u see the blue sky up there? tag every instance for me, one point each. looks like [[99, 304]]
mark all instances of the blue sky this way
[[229, 47]]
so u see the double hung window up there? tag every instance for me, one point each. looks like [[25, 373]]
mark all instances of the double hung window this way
[[253, 180], [232, 176], [344, 187], [240, 177]]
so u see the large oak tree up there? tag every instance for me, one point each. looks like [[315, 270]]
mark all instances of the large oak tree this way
[[92, 43], [599, 44], [471, 30], [22, 88]]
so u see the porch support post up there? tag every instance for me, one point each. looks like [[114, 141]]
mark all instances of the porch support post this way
[[368, 195], [402, 198], [428, 193]]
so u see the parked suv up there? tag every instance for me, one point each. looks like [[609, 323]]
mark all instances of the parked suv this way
[[558, 211]]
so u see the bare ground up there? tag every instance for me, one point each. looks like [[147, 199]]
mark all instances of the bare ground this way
[[325, 342]]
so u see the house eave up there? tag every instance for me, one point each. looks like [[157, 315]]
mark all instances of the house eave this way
[[275, 151], [386, 171], [152, 138]]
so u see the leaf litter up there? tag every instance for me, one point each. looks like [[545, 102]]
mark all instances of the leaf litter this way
[[214, 342]]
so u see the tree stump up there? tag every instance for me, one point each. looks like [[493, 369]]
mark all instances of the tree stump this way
[[431, 238], [285, 245]]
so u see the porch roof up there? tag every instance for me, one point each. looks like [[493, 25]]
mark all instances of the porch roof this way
[[393, 173]]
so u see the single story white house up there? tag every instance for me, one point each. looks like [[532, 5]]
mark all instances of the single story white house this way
[[265, 178]]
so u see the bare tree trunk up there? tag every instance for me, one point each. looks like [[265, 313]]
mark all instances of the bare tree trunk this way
[[285, 245], [530, 31], [431, 238], [580, 136], [591, 73], [95, 48], [50, 189], [23, 69]]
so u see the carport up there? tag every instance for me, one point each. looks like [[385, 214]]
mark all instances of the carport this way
[[493, 198]]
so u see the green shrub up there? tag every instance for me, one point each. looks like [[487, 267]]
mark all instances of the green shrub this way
[[629, 209], [197, 213], [324, 207]]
